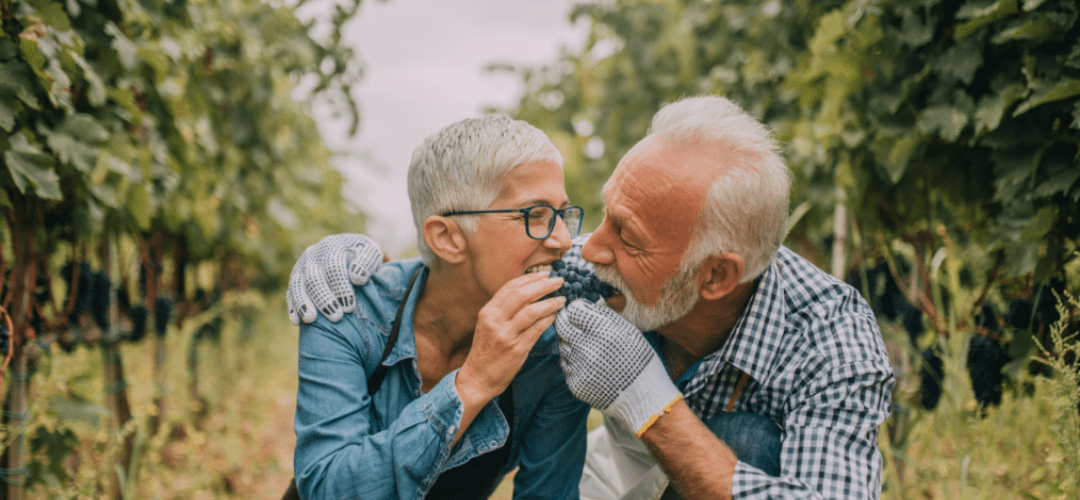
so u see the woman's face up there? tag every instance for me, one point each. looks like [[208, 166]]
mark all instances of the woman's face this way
[[500, 249]]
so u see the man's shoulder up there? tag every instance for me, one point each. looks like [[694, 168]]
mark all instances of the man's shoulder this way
[[827, 313]]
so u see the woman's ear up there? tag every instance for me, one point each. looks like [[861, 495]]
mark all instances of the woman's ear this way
[[445, 238], [721, 275]]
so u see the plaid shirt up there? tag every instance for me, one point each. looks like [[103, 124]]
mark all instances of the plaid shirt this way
[[817, 367]]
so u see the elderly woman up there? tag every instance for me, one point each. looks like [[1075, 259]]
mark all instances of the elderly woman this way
[[447, 375]]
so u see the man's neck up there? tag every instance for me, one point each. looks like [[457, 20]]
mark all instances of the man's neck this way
[[705, 329]]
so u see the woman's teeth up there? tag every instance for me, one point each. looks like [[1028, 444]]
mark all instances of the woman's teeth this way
[[543, 268]]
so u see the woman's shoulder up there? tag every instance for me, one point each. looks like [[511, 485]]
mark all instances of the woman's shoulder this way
[[379, 298]]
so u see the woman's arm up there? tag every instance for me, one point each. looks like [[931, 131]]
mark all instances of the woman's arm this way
[[339, 454]]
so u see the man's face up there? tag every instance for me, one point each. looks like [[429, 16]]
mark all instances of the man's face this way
[[651, 204]]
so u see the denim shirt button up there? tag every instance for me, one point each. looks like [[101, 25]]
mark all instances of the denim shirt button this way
[[493, 444], [453, 430]]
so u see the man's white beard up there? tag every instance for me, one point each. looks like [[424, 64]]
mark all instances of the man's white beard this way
[[677, 298]]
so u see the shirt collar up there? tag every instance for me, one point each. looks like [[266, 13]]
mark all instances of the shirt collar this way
[[755, 339], [406, 342]]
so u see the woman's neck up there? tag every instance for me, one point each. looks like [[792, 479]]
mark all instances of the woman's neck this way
[[445, 315]]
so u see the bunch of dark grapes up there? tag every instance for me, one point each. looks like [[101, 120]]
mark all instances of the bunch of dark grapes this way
[[885, 297], [579, 283], [162, 309], [985, 360], [84, 288], [138, 315], [930, 379], [99, 301]]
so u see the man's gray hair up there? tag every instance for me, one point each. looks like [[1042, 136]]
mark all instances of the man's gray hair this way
[[462, 166], [746, 208]]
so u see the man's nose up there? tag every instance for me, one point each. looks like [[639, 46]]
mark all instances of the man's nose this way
[[597, 248]]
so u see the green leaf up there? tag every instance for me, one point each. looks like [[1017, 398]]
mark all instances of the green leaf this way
[[993, 105], [15, 78], [52, 14], [830, 28], [1039, 225], [8, 109], [960, 61], [95, 93], [1039, 28], [71, 152], [8, 49], [981, 13], [29, 166], [1045, 93], [947, 121], [85, 127], [127, 51]]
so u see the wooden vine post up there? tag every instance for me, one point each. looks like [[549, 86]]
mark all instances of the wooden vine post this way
[[26, 216], [116, 396]]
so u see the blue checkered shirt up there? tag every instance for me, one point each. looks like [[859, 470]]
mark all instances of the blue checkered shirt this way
[[817, 367]]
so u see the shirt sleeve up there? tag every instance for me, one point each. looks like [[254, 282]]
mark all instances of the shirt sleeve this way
[[553, 446], [829, 448], [338, 453]]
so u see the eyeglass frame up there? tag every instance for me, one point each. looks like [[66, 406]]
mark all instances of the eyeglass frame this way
[[559, 212]]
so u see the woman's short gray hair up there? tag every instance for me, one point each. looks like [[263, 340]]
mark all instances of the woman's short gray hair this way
[[746, 208], [462, 166]]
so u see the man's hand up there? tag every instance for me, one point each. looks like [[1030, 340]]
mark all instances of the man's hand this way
[[609, 365], [322, 279]]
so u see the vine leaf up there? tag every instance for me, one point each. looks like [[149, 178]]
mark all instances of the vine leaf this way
[[1045, 93], [28, 165]]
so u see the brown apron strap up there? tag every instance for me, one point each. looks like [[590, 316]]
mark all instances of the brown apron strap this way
[[738, 390]]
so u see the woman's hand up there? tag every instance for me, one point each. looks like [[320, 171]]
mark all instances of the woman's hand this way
[[506, 330]]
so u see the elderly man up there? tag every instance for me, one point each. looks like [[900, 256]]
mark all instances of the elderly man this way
[[746, 346]]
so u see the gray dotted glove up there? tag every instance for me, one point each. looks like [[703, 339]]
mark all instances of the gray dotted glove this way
[[609, 365], [322, 279]]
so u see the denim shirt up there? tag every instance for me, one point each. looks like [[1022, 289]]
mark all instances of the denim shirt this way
[[395, 444]]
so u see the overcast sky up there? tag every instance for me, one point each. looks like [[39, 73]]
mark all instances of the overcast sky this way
[[425, 64]]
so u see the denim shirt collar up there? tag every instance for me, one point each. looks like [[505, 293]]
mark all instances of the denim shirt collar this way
[[406, 343]]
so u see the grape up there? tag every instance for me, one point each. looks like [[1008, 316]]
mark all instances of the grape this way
[[84, 287], [930, 379], [985, 360], [579, 283], [99, 301], [162, 310], [912, 319], [138, 315]]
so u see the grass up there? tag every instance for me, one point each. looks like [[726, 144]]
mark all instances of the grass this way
[[241, 446]]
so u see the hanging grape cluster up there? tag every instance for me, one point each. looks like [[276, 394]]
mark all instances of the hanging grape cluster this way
[[578, 283]]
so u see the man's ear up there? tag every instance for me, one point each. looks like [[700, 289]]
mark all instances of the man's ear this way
[[445, 238], [721, 275]]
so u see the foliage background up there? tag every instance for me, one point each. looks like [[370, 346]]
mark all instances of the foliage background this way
[[166, 144]]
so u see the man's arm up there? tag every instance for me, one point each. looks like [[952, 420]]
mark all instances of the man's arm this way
[[829, 448], [696, 462]]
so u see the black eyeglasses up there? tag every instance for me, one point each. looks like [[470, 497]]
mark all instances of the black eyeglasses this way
[[539, 219]]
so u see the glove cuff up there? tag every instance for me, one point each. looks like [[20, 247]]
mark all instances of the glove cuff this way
[[648, 397]]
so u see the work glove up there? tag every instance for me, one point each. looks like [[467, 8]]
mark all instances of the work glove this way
[[609, 365], [322, 279]]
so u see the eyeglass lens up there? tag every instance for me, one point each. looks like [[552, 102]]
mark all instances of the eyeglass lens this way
[[540, 221]]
